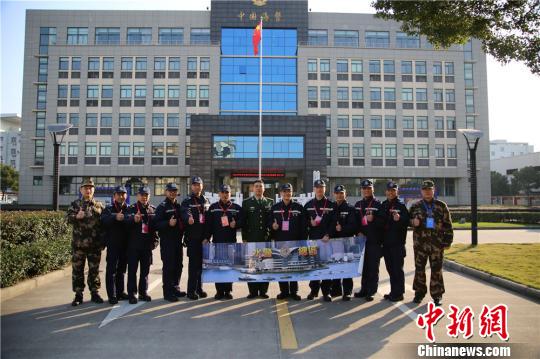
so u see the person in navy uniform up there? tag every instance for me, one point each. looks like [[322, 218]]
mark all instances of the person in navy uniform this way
[[193, 212], [343, 226], [319, 212], [370, 223], [223, 219], [170, 229], [142, 240], [116, 239], [396, 221], [287, 222]]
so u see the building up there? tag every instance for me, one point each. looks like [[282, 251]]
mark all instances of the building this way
[[157, 96], [10, 139], [508, 165], [502, 148]]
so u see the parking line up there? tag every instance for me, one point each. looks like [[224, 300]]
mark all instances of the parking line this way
[[286, 329]]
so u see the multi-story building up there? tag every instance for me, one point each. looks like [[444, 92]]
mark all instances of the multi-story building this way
[[157, 96], [10, 139], [503, 148]]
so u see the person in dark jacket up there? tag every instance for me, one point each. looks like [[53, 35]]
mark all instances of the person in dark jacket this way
[[142, 240], [116, 240], [396, 221], [343, 226], [319, 212], [193, 214], [370, 224], [171, 230], [287, 222], [223, 221]]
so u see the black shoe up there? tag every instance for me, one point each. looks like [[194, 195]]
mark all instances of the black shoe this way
[[396, 298], [219, 296], [360, 294], [251, 296], [132, 300], [327, 298], [145, 297], [346, 298], [418, 298], [96, 298], [228, 296], [78, 300], [202, 294], [179, 293], [282, 296], [122, 296], [312, 295], [295, 296], [264, 296], [113, 300], [369, 298], [192, 296], [336, 294], [437, 301], [171, 298], [387, 296]]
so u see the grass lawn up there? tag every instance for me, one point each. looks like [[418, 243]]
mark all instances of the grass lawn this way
[[493, 225], [516, 262]]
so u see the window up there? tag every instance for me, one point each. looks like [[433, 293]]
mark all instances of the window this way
[[450, 95], [108, 64], [376, 150], [346, 38], [374, 66], [172, 120], [439, 123], [376, 122], [451, 151], [342, 66], [324, 65], [124, 120], [422, 151], [104, 149], [107, 36], [200, 36], [75, 64], [171, 36], [343, 122], [389, 67], [125, 91], [437, 68], [140, 91], [357, 121], [408, 123], [158, 120], [421, 95], [124, 148], [420, 67], [139, 35], [439, 151], [343, 150], [406, 94], [468, 73], [378, 39], [204, 64], [47, 36], [37, 181], [62, 91], [247, 147], [90, 148], [75, 91], [343, 94], [158, 149], [77, 35], [325, 93], [127, 64], [404, 40], [173, 92], [140, 64], [73, 149], [174, 64], [470, 121], [356, 66], [93, 64], [138, 149], [63, 63], [106, 120], [389, 94], [390, 151], [437, 95], [61, 118], [317, 37], [358, 150], [74, 119], [43, 69], [192, 91], [449, 68], [375, 93], [203, 92], [469, 100], [422, 122], [408, 151], [92, 91], [406, 67], [312, 93], [390, 122], [107, 91], [192, 64], [450, 123], [159, 63], [312, 65], [357, 93], [91, 120]]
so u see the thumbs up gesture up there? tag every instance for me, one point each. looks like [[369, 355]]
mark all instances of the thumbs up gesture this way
[[80, 214], [172, 222], [233, 223], [396, 216], [137, 217], [275, 225], [119, 216], [416, 221], [369, 217], [338, 227], [191, 220]]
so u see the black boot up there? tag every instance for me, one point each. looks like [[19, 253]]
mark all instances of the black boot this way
[[96, 298], [418, 298], [78, 300]]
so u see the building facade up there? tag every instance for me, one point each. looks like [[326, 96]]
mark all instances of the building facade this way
[[10, 140], [502, 149], [157, 96]]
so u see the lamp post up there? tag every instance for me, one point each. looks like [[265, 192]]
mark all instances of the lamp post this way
[[57, 131], [472, 137]]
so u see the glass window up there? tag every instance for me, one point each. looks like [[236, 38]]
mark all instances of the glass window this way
[[437, 68], [90, 149], [174, 64], [389, 94], [139, 35], [422, 150], [140, 91], [375, 93], [106, 120], [450, 123], [438, 95], [276, 42], [247, 147], [75, 91], [63, 63], [449, 68], [312, 93], [421, 95], [407, 41], [468, 73], [124, 120], [106, 91], [173, 120], [439, 123], [203, 92], [324, 65], [342, 66], [406, 67], [173, 92], [124, 149], [317, 37], [408, 122], [356, 66], [62, 91], [105, 149], [159, 63], [420, 67], [390, 122], [469, 101], [408, 151], [470, 121], [192, 64], [276, 98], [374, 66], [73, 148], [74, 119], [93, 64], [42, 97], [376, 150], [47, 36], [40, 124], [325, 93], [390, 151], [358, 150], [312, 65], [127, 63], [357, 93], [171, 36], [406, 94], [158, 149], [376, 122], [159, 91], [139, 120], [138, 149], [75, 64], [422, 122], [140, 64], [125, 91], [357, 122], [200, 36], [107, 36], [92, 91], [343, 94], [61, 118], [108, 64], [343, 150], [450, 95], [451, 151], [389, 67], [192, 92], [343, 122], [77, 35], [439, 151], [91, 119], [204, 64], [377, 39], [346, 38], [158, 120], [43, 69]]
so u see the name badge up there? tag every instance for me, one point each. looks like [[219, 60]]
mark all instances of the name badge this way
[[201, 218], [285, 225], [364, 221], [318, 220], [144, 228], [430, 223], [224, 221]]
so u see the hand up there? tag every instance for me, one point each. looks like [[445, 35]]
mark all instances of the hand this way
[[338, 227], [275, 225], [120, 216], [80, 214], [396, 217], [326, 238], [172, 222], [370, 217], [205, 241], [191, 220], [416, 222], [313, 222], [233, 223], [137, 218]]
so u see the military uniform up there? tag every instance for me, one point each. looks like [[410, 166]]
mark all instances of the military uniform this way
[[142, 240], [395, 234], [116, 240], [86, 243], [429, 240], [219, 218], [170, 244], [254, 214]]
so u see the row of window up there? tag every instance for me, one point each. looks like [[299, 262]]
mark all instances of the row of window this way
[[129, 63], [376, 66], [390, 122], [379, 150], [380, 94]]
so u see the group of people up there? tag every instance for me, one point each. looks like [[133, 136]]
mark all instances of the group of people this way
[[130, 233]]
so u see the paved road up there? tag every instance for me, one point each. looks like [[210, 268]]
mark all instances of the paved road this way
[[42, 324], [499, 236]]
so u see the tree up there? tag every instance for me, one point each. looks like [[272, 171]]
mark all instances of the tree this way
[[509, 30], [499, 184], [527, 179], [9, 179]]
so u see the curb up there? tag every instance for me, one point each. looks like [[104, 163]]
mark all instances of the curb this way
[[522, 289], [498, 228], [33, 283]]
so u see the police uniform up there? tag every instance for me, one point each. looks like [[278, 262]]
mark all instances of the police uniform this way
[[219, 218], [291, 220], [254, 214], [321, 211], [86, 245], [170, 244], [429, 240], [395, 234], [345, 216], [373, 250], [195, 234], [116, 240], [143, 239]]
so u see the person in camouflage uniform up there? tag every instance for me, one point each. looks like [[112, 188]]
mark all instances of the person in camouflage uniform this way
[[84, 214], [432, 233]]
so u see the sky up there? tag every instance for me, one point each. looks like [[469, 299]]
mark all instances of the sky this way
[[513, 91]]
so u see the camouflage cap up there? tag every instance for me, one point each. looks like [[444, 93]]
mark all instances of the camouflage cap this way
[[428, 184], [88, 182]]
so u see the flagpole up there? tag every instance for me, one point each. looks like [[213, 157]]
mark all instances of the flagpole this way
[[260, 103]]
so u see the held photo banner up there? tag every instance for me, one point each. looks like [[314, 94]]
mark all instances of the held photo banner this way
[[283, 261]]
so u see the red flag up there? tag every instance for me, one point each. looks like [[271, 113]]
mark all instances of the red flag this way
[[257, 38]]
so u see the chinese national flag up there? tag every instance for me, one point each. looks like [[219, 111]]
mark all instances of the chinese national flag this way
[[257, 38]]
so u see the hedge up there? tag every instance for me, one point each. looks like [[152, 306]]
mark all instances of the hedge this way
[[498, 217], [32, 243]]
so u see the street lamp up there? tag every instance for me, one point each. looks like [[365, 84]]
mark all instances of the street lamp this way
[[472, 137], [57, 131]]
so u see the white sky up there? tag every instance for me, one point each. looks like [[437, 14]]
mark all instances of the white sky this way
[[513, 92]]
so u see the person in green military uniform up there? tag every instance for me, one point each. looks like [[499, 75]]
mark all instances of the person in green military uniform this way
[[254, 214], [432, 234], [85, 216]]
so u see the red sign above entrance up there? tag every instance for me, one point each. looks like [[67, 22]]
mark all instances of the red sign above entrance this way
[[252, 172]]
